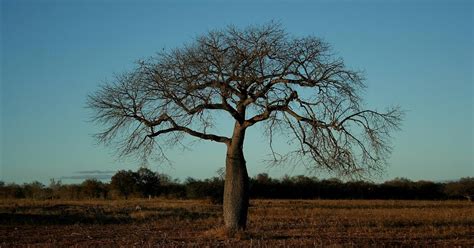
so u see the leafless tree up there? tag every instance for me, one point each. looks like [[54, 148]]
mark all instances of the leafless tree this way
[[296, 86]]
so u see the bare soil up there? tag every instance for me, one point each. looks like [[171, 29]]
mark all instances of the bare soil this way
[[272, 223]]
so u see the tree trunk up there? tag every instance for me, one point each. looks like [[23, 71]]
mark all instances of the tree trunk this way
[[236, 188]]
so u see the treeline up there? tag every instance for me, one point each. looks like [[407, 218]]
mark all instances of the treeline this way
[[302, 187], [147, 184]]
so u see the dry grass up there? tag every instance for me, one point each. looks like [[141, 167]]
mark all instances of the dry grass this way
[[272, 223]]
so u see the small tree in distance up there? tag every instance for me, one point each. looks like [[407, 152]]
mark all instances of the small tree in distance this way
[[148, 182], [93, 188], [124, 182], [295, 86]]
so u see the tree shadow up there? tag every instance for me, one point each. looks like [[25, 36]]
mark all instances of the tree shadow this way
[[56, 219], [69, 214]]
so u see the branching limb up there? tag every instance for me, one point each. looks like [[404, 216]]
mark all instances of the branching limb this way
[[258, 74]]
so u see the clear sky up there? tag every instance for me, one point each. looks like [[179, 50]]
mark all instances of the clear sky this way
[[416, 54]]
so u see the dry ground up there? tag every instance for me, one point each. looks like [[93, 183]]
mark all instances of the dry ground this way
[[272, 223]]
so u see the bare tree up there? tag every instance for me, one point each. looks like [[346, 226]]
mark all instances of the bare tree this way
[[296, 86]]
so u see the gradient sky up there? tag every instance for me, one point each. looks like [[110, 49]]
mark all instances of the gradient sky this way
[[416, 54]]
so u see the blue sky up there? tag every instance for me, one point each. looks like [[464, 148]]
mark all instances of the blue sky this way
[[416, 54]]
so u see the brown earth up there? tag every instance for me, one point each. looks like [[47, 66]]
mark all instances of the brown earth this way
[[272, 223]]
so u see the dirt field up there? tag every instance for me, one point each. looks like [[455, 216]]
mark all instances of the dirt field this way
[[272, 223]]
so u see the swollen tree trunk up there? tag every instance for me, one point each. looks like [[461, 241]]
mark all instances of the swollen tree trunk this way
[[236, 188]]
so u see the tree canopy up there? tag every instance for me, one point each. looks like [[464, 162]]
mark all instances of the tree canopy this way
[[297, 86]]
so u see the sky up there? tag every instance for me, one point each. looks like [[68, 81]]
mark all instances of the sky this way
[[415, 54]]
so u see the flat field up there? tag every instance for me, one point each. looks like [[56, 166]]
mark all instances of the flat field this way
[[272, 223]]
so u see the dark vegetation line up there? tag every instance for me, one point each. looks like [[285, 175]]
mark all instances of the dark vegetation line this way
[[145, 184]]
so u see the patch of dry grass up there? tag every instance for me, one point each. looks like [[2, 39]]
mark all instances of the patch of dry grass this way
[[272, 223]]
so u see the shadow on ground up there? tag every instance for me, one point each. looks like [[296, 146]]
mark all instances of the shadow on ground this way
[[67, 215]]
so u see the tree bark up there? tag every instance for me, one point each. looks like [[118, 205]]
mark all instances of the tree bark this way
[[236, 188]]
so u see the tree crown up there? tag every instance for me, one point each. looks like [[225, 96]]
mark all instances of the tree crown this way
[[257, 74]]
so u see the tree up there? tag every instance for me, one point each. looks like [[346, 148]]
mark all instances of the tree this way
[[55, 187], [148, 182], [263, 178], [124, 182], [34, 190], [93, 188], [296, 86], [462, 188]]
